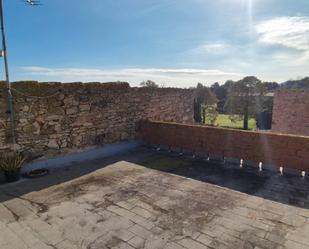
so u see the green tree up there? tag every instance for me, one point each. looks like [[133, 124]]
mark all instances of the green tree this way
[[296, 84], [210, 114], [149, 83], [245, 97], [221, 92], [204, 98]]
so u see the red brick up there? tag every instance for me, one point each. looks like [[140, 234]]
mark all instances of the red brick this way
[[290, 151]]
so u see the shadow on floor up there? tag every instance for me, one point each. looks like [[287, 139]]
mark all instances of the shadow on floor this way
[[55, 177], [287, 189]]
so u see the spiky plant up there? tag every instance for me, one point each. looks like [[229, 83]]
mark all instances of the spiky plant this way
[[11, 161]]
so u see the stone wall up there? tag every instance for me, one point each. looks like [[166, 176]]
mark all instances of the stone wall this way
[[291, 112], [83, 115], [274, 149]]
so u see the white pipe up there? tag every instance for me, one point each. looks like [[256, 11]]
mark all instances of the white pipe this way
[[260, 166]]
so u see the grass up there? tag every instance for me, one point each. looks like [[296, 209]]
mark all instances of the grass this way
[[224, 121]]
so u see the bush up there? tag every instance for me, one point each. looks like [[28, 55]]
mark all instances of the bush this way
[[11, 161], [211, 114]]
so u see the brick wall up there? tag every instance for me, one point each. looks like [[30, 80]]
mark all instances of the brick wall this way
[[280, 150], [83, 115], [291, 112]]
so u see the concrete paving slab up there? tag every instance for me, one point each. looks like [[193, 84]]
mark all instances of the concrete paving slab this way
[[120, 203]]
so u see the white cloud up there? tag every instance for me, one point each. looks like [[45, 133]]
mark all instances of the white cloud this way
[[290, 32], [185, 77], [210, 48]]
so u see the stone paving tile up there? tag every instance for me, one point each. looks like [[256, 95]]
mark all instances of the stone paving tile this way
[[25, 235], [128, 206], [123, 245], [173, 245], [204, 239], [137, 242], [190, 243], [140, 231], [66, 244], [10, 239], [125, 204], [142, 212], [47, 233], [6, 215], [293, 245], [124, 235], [121, 211], [142, 222]]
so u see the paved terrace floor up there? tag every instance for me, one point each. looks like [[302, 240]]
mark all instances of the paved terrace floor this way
[[117, 202]]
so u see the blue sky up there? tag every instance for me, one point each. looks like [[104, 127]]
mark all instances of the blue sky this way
[[174, 42]]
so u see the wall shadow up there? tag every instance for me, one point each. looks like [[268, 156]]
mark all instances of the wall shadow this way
[[286, 189], [55, 177]]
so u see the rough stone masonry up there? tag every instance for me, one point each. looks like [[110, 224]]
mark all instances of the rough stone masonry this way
[[76, 115]]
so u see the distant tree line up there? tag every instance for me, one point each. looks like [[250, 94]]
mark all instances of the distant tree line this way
[[246, 98], [249, 97], [296, 84], [221, 91], [149, 83]]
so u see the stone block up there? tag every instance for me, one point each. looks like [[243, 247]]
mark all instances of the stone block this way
[[53, 144], [84, 108], [72, 110]]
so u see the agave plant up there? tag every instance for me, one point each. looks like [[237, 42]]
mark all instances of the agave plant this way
[[11, 161]]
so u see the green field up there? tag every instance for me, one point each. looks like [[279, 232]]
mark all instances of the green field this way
[[224, 121]]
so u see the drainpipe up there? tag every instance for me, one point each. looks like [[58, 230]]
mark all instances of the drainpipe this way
[[7, 79]]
